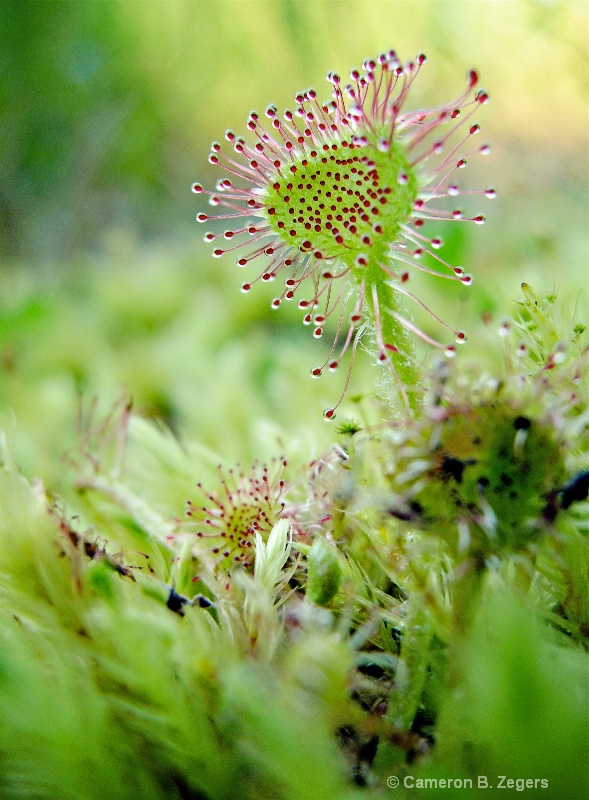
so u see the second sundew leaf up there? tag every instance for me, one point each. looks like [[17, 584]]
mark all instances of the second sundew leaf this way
[[481, 476]]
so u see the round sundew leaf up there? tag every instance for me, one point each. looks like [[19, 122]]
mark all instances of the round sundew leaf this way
[[345, 203], [493, 466], [342, 192]]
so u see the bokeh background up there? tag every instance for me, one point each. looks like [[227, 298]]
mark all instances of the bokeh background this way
[[106, 116]]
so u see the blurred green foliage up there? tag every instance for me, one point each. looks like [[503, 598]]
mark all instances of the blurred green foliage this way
[[107, 110], [84, 142]]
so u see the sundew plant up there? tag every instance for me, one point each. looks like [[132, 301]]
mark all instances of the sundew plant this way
[[404, 613], [339, 193]]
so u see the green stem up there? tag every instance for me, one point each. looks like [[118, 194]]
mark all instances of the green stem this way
[[466, 590], [404, 376], [412, 671]]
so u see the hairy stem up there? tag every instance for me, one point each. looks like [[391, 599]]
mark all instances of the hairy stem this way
[[401, 370]]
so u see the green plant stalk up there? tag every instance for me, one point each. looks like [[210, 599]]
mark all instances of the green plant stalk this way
[[466, 591], [404, 376], [411, 675]]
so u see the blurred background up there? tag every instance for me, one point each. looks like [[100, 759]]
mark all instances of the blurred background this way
[[107, 113]]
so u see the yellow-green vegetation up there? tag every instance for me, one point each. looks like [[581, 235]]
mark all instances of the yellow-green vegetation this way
[[392, 614], [207, 591]]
